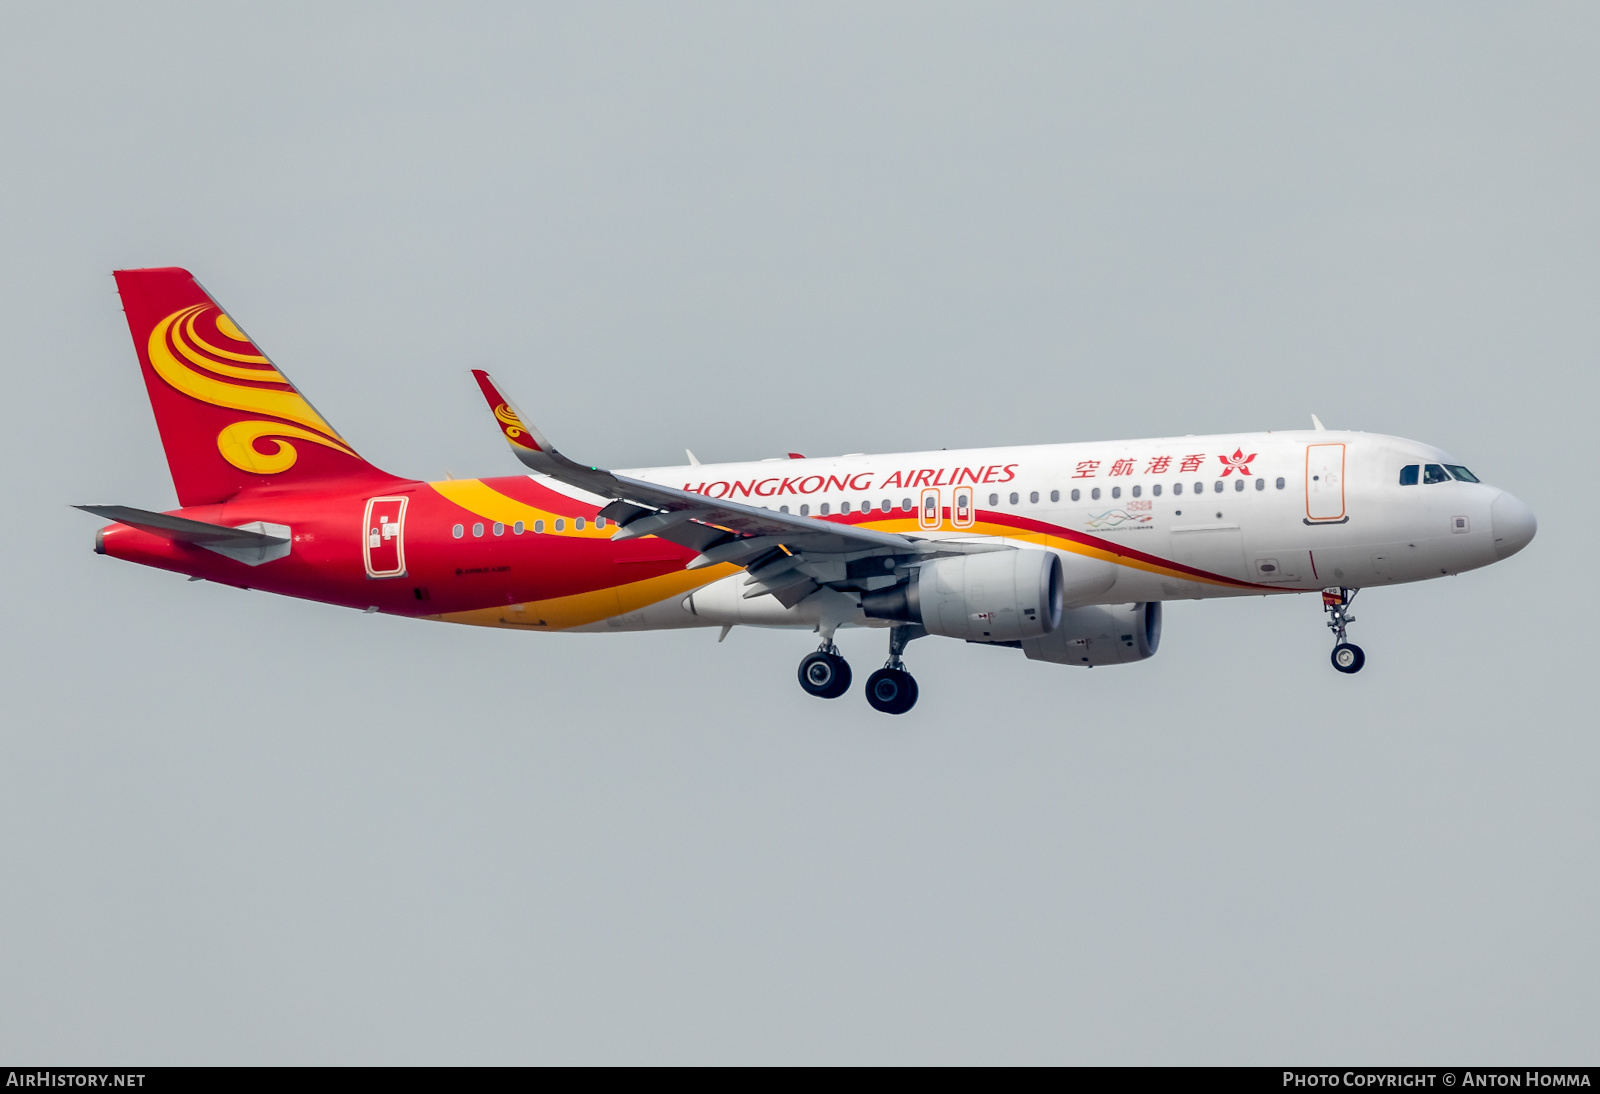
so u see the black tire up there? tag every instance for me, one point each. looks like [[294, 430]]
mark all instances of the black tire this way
[[1347, 658], [892, 691], [825, 675]]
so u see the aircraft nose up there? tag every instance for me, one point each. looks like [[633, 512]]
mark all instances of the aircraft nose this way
[[1513, 524]]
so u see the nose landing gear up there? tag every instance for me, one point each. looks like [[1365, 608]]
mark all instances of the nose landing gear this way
[[1347, 657], [892, 689]]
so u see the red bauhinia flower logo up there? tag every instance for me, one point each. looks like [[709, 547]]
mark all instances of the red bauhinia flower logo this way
[[1237, 462]]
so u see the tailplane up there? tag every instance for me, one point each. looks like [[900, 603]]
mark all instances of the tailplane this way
[[229, 420]]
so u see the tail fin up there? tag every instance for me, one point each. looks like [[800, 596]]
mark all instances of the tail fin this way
[[229, 420]]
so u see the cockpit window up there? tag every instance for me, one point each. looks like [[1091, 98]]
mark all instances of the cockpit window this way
[[1408, 474], [1432, 473], [1460, 472]]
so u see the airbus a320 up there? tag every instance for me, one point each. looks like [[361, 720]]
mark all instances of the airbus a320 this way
[[1062, 552]]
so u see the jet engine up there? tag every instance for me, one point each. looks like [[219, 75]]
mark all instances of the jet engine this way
[[1104, 634], [997, 596]]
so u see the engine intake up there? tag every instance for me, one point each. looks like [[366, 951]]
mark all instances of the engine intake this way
[[998, 596]]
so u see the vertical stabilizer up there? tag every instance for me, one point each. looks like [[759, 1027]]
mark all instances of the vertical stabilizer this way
[[229, 420]]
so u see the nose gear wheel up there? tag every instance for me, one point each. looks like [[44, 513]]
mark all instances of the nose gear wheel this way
[[1347, 657]]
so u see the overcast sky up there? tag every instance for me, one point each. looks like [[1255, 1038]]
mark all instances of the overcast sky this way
[[239, 828]]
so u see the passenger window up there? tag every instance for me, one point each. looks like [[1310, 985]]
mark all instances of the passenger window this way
[[1013, 499], [538, 527], [1094, 494], [1279, 483], [994, 499], [1137, 490], [888, 504], [1432, 473], [458, 531], [824, 509], [845, 508], [599, 522], [783, 508], [477, 529], [1199, 488], [905, 505], [1177, 488], [1238, 485], [1055, 495], [1261, 484], [1155, 491], [578, 524], [805, 510], [1034, 497], [1217, 487], [518, 528], [1460, 472], [561, 524], [1076, 494], [1116, 491], [1408, 474], [499, 529]]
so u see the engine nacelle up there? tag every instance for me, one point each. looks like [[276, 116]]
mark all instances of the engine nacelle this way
[[997, 596], [1104, 634]]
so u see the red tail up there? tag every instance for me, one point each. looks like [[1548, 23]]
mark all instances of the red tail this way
[[229, 420]]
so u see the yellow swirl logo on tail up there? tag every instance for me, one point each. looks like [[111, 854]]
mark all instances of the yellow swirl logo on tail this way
[[508, 419], [211, 374]]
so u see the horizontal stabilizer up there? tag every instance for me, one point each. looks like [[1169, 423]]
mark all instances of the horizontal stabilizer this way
[[252, 544]]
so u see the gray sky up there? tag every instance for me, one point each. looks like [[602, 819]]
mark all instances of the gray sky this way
[[237, 828]]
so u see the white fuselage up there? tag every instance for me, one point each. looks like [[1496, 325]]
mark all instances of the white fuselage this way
[[1138, 520]]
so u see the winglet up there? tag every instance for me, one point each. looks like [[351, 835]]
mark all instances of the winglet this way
[[526, 441], [1316, 423]]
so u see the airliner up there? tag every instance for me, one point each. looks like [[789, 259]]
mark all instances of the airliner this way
[[1062, 552]]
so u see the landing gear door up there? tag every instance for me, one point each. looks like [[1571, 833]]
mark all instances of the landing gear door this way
[[383, 537], [1325, 473]]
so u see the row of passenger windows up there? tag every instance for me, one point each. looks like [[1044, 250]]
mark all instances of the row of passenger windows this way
[[1217, 487], [908, 506], [1435, 472], [887, 505], [519, 527]]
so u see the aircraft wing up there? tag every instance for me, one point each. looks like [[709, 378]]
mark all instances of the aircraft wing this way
[[787, 555]]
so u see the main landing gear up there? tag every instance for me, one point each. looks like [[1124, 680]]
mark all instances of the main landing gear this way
[[824, 673], [891, 689], [1347, 657]]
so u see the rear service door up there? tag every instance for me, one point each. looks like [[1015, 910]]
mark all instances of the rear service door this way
[[383, 545], [1325, 483]]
